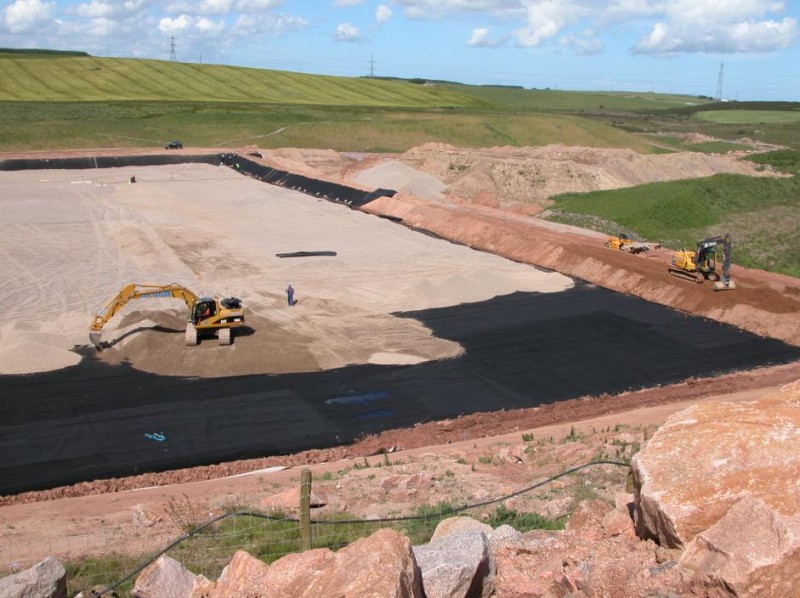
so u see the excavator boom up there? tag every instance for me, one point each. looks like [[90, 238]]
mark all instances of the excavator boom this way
[[136, 291]]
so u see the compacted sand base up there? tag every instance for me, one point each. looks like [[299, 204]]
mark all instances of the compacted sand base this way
[[72, 239]]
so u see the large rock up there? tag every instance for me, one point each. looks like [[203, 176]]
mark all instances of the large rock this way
[[46, 579], [244, 575], [727, 556], [707, 458], [166, 577], [458, 565], [455, 525], [722, 482], [546, 564], [299, 565], [380, 566]]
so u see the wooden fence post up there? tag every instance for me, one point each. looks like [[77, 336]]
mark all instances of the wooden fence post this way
[[305, 509]]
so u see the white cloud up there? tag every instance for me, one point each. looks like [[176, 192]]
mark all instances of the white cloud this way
[[480, 39], [667, 26], [91, 10], [26, 15], [287, 24], [545, 20], [424, 9], [585, 44], [215, 7], [205, 25], [383, 13], [344, 3], [167, 25], [716, 26], [345, 32], [133, 6], [257, 5]]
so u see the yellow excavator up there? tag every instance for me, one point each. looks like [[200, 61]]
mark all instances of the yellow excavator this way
[[623, 242], [701, 264], [206, 314], [619, 242]]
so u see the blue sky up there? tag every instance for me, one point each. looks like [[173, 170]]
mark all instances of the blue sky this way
[[638, 45]]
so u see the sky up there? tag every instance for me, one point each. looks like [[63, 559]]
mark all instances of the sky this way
[[744, 49]]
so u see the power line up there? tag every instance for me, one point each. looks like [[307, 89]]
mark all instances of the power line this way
[[172, 55], [719, 81]]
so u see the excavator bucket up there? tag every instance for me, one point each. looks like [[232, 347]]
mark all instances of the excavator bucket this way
[[724, 286], [94, 337]]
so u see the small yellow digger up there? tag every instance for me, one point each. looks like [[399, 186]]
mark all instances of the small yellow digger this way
[[623, 242], [701, 264], [206, 314]]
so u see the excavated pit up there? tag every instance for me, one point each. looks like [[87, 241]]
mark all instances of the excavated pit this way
[[425, 328]]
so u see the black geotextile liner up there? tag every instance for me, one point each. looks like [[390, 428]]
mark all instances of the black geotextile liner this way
[[97, 421], [88, 162], [297, 182], [331, 191]]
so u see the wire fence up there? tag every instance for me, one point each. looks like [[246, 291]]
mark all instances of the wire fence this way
[[207, 546]]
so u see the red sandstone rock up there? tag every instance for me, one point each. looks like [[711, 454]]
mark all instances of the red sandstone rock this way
[[166, 577], [707, 458]]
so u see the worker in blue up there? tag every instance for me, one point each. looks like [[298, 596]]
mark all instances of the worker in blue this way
[[290, 294]]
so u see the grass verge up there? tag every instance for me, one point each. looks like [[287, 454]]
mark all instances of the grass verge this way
[[678, 214]]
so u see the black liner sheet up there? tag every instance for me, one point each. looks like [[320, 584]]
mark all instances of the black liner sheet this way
[[526, 349]]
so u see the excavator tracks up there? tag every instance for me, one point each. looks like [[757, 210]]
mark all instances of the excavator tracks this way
[[191, 335], [695, 277]]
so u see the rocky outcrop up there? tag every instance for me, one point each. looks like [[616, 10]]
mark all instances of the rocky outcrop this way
[[457, 564], [591, 557], [381, 565], [721, 481], [166, 577], [455, 525], [47, 579]]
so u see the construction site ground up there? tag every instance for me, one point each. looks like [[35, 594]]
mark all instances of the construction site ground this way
[[45, 322]]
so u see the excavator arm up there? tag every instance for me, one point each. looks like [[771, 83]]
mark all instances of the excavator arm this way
[[137, 291]]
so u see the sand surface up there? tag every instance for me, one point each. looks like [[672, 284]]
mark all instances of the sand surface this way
[[71, 239]]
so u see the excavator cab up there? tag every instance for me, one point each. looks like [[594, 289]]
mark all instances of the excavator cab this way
[[204, 309], [707, 264]]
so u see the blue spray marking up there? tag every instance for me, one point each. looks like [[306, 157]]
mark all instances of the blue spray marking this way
[[157, 436], [363, 399]]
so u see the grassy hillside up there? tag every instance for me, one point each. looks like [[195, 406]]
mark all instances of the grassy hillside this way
[[547, 100], [760, 213], [89, 79], [750, 116], [51, 101]]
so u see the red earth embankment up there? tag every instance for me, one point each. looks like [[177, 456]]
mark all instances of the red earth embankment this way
[[764, 303]]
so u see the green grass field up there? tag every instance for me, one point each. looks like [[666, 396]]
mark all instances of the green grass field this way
[[89, 79], [760, 213], [546, 100], [738, 117], [61, 125]]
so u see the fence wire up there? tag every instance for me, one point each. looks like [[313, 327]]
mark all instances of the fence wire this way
[[207, 547]]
